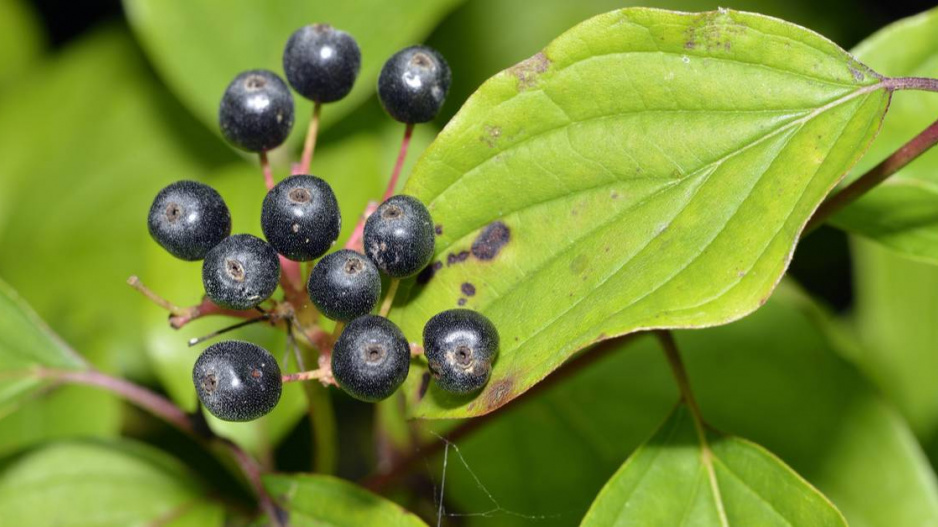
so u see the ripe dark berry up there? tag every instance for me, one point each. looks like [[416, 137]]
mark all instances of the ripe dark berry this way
[[321, 62], [399, 236], [240, 272], [460, 345], [413, 84], [188, 218], [344, 285], [371, 358], [300, 217], [237, 381], [256, 112]]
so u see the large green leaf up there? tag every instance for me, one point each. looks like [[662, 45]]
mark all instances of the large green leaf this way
[[324, 500], [774, 378], [720, 480], [647, 169], [901, 212], [200, 45], [75, 484]]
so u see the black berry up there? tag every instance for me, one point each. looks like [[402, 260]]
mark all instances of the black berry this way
[[240, 272], [413, 84], [371, 358], [300, 217], [344, 285], [399, 236], [460, 345], [256, 112], [321, 62], [237, 381], [188, 218]]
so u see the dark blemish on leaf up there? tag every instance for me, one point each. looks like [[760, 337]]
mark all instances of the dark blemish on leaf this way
[[490, 241], [528, 70], [491, 135], [606, 249], [497, 394], [429, 272], [468, 289], [455, 258], [614, 195], [438, 229], [461, 302], [424, 385], [601, 337]]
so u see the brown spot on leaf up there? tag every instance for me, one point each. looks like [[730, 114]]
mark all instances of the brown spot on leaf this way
[[438, 229], [529, 70], [461, 302], [455, 258], [468, 289], [490, 241], [497, 394], [491, 135]]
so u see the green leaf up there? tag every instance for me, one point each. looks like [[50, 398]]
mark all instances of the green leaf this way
[[324, 500], [895, 308], [30, 410], [27, 345], [775, 378], [720, 480], [647, 169], [900, 213], [200, 45], [102, 485], [21, 40]]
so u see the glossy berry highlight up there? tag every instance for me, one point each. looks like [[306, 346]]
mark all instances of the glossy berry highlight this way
[[413, 84], [237, 381], [256, 111], [240, 272], [321, 62], [460, 345], [371, 358], [399, 236], [300, 217], [344, 285], [188, 218]]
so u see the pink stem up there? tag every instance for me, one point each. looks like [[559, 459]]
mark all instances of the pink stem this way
[[268, 172], [408, 132], [205, 308], [310, 143], [290, 276], [355, 240]]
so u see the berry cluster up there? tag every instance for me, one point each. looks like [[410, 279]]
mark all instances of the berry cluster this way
[[368, 355]]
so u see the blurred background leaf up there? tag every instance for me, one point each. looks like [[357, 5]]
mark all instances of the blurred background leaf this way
[[322, 500], [200, 45], [21, 40], [103, 484]]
